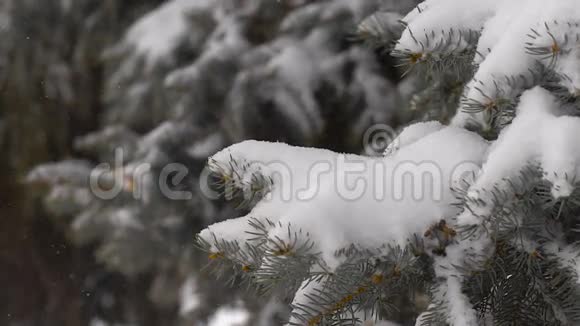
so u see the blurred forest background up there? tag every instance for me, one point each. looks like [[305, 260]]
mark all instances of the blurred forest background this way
[[166, 81]]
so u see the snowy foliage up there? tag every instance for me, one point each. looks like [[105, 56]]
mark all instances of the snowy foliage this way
[[497, 247], [264, 69], [312, 191], [513, 45], [468, 218], [183, 81]]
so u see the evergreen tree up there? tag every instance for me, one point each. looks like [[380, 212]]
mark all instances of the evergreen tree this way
[[484, 230], [183, 81]]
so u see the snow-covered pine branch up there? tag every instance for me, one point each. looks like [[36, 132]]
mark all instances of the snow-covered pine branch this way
[[184, 80], [497, 248]]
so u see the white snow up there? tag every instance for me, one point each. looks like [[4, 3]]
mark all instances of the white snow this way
[[66, 200], [568, 255], [336, 197], [461, 311], [560, 27], [413, 133], [377, 24], [508, 29], [508, 57], [339, 200], [449, 290], [156, 35], [230, 316], [495, 27], [537, 135], [443, 15], [301, 298], [297, 65], [73, 172], [189, 299], [206, 147], [126, 218]]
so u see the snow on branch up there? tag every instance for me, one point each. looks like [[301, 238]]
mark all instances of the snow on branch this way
[[515, 46]]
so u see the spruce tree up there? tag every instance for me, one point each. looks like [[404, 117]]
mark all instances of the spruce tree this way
[[484, 230], [179, 83]]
